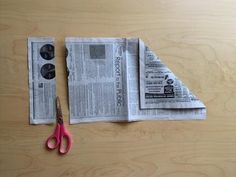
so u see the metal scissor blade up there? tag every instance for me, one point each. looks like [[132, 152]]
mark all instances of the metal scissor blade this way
[[58, 109]]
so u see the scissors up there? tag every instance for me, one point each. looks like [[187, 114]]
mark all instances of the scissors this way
[[61, 138]]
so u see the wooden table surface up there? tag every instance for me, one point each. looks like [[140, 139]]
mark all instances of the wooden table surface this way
[[196, 39]]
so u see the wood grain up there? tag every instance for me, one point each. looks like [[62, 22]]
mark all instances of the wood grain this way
[[196, 39]]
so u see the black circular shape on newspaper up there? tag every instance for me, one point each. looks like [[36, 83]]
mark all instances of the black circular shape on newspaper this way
[[48, 71], [47, 52]]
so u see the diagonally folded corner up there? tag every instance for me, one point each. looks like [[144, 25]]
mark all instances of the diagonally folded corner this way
[[159, 86]]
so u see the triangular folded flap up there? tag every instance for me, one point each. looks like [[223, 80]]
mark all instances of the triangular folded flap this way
[[159, 87]]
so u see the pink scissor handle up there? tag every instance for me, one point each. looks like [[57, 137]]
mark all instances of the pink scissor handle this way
[[64, 147], [53, 141]]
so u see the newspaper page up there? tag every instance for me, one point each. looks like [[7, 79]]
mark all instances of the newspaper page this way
[[104, 83], [97, 79], [135, 112], [42, 85], [159, 87]]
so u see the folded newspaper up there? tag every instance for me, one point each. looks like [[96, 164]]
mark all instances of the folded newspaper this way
[[122, 79]]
